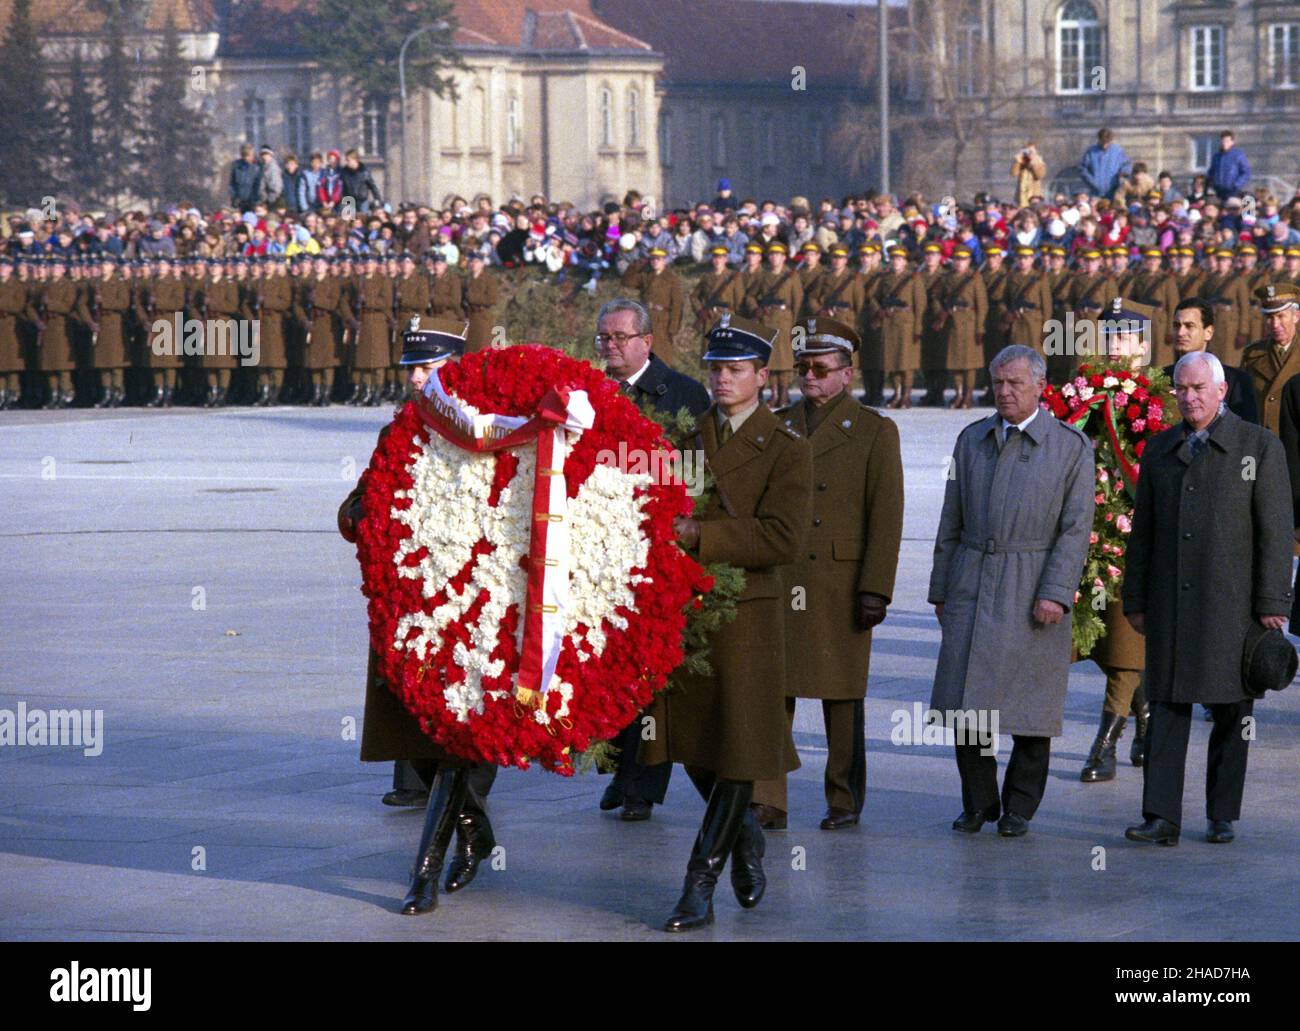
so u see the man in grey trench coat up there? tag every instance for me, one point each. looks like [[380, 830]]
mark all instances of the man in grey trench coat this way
[[1209, 555], [1012, 541]]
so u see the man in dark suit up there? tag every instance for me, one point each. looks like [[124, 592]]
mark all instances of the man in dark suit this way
[[1193, 331], [1209, 558], [624, 341]]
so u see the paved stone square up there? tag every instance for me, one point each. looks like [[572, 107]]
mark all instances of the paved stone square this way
[[181, 571]]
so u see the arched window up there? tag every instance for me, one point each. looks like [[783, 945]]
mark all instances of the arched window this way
[[1078, 46], [606, 117], [298, 122], [254, 120], [634, 117], [514, 126]]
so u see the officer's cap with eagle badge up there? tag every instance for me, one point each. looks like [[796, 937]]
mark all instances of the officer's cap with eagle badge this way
[[735, 339], [428, 339], [1278, 297], [821, 335], [1125, 315]]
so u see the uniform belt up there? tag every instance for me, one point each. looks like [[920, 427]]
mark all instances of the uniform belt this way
[[991, 545]]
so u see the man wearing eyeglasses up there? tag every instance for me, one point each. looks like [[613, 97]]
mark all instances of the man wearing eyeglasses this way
[[847, 569], [625, 344]]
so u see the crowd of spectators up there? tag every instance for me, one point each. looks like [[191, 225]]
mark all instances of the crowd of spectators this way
[[332, 205]]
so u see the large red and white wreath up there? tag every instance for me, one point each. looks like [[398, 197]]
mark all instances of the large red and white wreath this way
[[526, 594]]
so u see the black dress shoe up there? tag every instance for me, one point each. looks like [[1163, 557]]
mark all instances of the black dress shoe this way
[[836, 819], [1154, 832], [635, 810], [769, 817], [611, 799], [971, 820], [1219, 832], [407, 798], [1013, 825]]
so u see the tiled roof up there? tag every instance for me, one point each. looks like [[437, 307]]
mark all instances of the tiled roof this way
[[83, 17], [749, 42]]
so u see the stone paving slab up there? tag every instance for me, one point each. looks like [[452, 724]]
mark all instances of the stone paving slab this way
[[234, 742]]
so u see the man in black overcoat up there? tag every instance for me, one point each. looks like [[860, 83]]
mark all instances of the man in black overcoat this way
[[1208, 556], [624, 341]]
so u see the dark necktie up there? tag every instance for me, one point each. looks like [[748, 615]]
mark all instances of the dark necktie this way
[[724, 432], [1011, 432]]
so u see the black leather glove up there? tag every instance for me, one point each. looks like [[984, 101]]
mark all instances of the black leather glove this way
[[871, 610]]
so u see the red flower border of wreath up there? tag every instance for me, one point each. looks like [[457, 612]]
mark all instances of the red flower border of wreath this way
[[510, 381]]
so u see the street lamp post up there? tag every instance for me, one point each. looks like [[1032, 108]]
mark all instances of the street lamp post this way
[[439, 26], [883, 90]]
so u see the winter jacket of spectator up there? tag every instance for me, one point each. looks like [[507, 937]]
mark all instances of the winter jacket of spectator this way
[[295, 192], [359, 184], [664, 239], [245, 177], [307, 199], [1101, 168], [701, 241], [735, 244], [1028, 178], [149, 247], [1229, 172], [329, 190], [271, 185]]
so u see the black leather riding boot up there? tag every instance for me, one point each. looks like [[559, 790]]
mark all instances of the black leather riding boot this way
[[723, 819], [474, 843], [446, 798], [748, 880]]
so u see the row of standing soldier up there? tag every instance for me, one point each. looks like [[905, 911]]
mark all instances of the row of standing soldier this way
[[330, 327]]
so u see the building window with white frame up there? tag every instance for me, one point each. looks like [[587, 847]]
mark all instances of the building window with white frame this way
[[298, 123], [969, 50], [514, 126], [374, 125], [1206, 59], [1078, 46], [1203, 150], [718, 141], [665, 139], [254, 120], [1284, 55], [816, 142]]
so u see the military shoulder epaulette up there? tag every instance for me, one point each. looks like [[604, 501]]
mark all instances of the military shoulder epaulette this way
[[789, 430]]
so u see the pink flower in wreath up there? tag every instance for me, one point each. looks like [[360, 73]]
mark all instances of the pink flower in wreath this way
[[1123, 523]]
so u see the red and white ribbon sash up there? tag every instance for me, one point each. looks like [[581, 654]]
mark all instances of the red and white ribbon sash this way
[[560, 412]]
